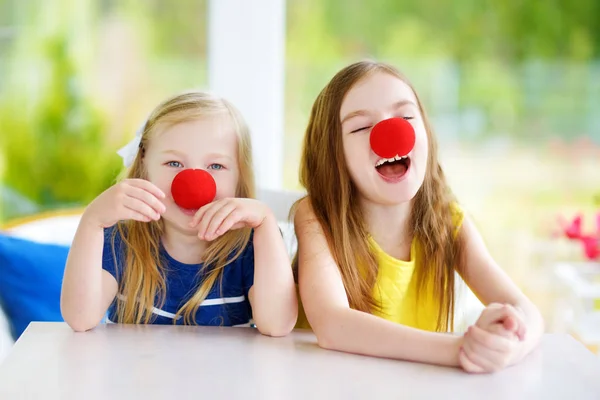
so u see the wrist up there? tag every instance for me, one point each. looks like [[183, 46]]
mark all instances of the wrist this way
[[268, 219], [445, 349], [89, 221], [454, 347]]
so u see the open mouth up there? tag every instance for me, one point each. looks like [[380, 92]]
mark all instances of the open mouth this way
[[393, 169]]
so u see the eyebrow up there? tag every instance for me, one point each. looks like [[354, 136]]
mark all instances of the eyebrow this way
[[357, 113], [181, 155], [174, 152]]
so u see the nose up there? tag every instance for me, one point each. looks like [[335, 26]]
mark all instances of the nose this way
[[193, 188], [392, 137]]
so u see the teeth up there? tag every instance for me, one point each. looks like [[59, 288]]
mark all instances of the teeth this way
[[383, 161], [395, 158]]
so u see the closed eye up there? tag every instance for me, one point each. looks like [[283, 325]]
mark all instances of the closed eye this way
[[216, 167], [361, 129], [174, 164], [369, 126]]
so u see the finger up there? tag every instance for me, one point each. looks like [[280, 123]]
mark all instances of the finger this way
[[492, 315], [483, 356], [139, 206], [479, 357], [207, 216], [227, 212], [486, 357], [498, 329], [147, 198], [521, 330], [233, 221], [198, 215], [510, 324], [469, 365], [202, 211], [147, 186], [136, 216], [489, 340], [515, 320]]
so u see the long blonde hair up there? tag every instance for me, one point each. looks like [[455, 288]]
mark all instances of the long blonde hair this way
[[143, 275], [334, 200]]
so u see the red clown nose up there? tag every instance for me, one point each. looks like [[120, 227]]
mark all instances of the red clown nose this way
[[193, 188], [392, 137]]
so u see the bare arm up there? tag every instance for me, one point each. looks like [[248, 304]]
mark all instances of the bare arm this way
[[491, 284], [337, 326], [273, 295], [87, 289]]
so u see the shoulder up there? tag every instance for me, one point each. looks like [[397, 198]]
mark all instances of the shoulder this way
[[303, 209], [305, 219]]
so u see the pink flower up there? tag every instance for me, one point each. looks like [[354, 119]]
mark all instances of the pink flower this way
[[591, 242], [591, 247], [573, 230]]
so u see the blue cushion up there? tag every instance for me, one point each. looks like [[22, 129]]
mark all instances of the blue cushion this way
[[30, 281]]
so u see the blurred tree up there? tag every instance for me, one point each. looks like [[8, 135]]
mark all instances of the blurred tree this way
[[511, 30], [51, 133], [511, 68]]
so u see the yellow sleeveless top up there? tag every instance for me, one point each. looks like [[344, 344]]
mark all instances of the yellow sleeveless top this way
[[395, 289]]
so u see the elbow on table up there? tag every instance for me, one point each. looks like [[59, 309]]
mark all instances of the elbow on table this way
[[80, 325], [77, 322], [326, 336], [276, 330]]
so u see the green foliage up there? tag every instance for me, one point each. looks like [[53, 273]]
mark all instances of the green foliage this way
[[509, 30], [51, 133], [523, 70], [527, 70]]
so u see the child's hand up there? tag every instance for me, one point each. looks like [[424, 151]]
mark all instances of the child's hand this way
[[216, 218], [493, 342], [503, 319], [135, 199]]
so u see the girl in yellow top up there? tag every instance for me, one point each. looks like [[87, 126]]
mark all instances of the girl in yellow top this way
[[381, 237]]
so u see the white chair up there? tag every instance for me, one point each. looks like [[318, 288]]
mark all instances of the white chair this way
[[280, 202]]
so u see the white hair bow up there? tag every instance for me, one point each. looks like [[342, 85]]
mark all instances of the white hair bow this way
[[131, 149]]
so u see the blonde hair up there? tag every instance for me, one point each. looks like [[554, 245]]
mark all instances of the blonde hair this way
[[143, 275], [334, 199]]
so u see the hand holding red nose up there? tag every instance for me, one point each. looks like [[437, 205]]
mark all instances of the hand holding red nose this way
[[193, 188], [392, 137]]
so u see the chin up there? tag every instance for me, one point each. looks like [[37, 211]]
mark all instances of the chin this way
[[397, 195], [179, 223]]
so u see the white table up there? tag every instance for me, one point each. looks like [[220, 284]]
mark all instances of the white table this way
[[164, 362]]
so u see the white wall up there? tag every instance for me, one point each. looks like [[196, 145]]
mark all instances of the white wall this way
[[246, 56]]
